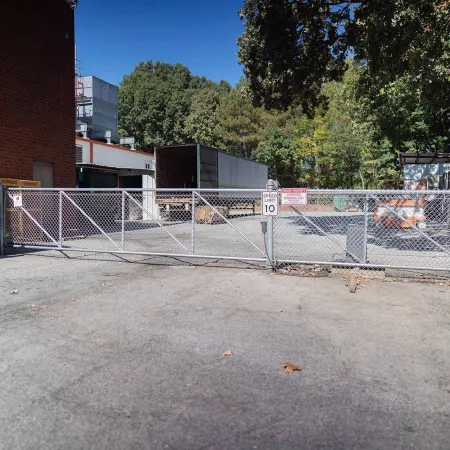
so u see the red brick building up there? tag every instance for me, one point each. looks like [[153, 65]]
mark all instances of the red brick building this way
[[37, 112]]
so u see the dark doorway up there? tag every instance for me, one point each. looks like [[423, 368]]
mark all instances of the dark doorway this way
[[131, 182]]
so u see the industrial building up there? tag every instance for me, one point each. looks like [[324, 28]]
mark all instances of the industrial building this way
[[37, 110], [97, 113], [96, 109], [101, 165]]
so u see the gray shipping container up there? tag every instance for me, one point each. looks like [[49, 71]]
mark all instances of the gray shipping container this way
[[196, 166]]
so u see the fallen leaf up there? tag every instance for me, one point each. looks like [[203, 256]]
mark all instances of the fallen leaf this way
[[227, 353], [15, 291], [290, 368], [39, 306]]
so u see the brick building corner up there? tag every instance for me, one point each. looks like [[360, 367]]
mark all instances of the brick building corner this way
[[37, 111]]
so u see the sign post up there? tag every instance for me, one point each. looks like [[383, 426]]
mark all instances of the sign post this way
[[269, 207]]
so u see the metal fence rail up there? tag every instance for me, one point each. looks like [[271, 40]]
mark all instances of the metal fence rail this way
[[338, 228]]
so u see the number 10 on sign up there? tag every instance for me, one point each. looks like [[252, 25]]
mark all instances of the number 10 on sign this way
[[269, 203]]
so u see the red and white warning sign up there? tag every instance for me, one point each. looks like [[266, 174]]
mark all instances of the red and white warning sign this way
[[294, 196]]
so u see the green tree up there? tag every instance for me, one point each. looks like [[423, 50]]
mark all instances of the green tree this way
[[278, 152], [239, 125], [406, 77], [359, 153], [202, 121], [290, 48], [311, 135], [154, 101], [340, 147]]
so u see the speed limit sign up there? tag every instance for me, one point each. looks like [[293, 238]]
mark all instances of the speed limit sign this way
[[269, 203]]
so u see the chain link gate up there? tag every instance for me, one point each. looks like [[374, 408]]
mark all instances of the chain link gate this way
[[336, 228], [200, 223]]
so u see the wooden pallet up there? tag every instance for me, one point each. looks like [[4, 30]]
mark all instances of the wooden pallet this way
[[208, 215]]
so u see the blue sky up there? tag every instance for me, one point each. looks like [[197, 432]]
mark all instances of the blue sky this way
[[113, 36]]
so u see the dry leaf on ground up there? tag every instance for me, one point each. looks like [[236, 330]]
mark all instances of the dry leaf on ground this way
[[227, 353], [290, 368]]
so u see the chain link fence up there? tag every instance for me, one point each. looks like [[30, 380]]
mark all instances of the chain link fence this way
[[340, 229], [373, 229]]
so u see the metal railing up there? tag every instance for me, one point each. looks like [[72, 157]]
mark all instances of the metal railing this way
[[337, 228]]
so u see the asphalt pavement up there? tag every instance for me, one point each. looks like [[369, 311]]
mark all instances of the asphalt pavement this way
[[115, 355]]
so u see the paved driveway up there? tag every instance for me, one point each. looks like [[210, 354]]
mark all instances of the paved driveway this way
[[129, 356]]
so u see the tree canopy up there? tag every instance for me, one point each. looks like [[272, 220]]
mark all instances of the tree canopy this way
[[290, 48], [159, 104]]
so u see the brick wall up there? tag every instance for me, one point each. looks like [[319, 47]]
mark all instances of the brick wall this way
[[37, 113]]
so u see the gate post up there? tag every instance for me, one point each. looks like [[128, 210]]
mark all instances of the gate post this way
[[271, 186], [366, 227], [60, 220], [193, 223], [122, 232], [2, 220]]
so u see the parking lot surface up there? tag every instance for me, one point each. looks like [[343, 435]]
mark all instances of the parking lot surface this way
[[112, 355]]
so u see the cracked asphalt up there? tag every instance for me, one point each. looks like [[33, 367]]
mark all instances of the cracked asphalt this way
[[124, 355]]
